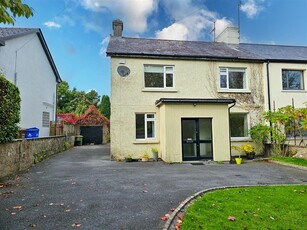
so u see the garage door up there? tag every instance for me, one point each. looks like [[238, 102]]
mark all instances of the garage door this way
[[91, 134]]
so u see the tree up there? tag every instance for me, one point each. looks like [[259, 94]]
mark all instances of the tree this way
[[10, 9], [104, 106], [9, 110]]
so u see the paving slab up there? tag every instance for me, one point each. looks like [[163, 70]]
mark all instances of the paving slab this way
[[82, 188]]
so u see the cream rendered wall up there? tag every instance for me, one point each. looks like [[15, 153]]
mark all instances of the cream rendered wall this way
[[193, 79], [35, 79], [172, 134], [284, 97]]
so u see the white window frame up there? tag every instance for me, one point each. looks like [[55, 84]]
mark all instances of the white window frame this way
[[164, 76], [248, 127], [302, 80], [224, 71], [147, 119]]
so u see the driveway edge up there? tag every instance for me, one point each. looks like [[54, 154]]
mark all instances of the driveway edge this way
[[289, 165], [171, 221]]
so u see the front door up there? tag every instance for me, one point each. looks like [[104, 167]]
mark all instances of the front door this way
[[196, 138]]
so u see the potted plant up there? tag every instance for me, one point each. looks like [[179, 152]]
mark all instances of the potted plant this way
[[237, 159], [128, 158], [155, 152], [249, 151], [145, 156]]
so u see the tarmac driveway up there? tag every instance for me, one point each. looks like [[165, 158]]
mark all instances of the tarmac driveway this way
[[81, 188]]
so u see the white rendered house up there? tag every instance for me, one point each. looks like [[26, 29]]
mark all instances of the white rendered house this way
[[26, 61]]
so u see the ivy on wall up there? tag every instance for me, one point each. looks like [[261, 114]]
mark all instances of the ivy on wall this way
[[9, 110]]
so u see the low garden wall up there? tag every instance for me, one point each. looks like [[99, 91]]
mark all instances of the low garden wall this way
[[20, 154], [298, 151]]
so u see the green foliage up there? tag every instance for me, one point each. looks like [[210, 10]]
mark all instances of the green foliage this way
[[263, 207], [9, 110], [290, 160], [104, 106], [260, 134], [10, 9], [74, 101], [67, 145]]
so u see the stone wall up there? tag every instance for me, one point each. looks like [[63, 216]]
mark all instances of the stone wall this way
[[20, 154], [298, 151]]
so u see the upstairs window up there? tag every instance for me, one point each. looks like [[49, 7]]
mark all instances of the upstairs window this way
[[145, 126], [292, 80], [232, 79], [156, 76]]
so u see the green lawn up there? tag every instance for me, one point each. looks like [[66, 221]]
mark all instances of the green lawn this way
[[269, 207], [290, 160]]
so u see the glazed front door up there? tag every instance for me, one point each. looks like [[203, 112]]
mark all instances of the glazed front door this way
[[196, 138]]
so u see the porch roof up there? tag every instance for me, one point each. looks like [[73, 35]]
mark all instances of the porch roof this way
[[195, 100]]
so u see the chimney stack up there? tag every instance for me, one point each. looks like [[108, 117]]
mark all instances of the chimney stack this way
[[118, 27], [230, 35]]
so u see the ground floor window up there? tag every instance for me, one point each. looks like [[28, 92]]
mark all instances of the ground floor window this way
[[45, 119], [239, 124], [145, 125]]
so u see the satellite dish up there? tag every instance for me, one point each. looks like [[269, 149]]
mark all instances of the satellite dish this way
[[123, 71]]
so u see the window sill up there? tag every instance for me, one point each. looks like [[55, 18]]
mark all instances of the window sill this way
[[233, 91], [294, 91], [164, 90], [145, 142], [239, 139]]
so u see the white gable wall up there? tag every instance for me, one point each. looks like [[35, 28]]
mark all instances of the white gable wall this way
[[35, 79]]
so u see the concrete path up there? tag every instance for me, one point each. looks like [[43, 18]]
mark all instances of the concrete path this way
[[81, 188]]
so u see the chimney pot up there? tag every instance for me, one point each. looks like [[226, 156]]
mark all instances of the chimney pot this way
[[118, 27]]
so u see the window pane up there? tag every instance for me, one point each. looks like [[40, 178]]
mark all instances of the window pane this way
[[238, 123], [223, 81], [169, 80], [236, 80], [150, 129], [292, 79], [154, 80], [140, 126], [169, 69], [153, 69], [150, 115]]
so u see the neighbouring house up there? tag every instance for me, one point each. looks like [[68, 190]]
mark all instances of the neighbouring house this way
[[27, 62], [191, 99]]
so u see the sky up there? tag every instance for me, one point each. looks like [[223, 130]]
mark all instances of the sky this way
[[77, 31]]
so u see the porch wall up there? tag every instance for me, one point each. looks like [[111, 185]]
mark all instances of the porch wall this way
[[172, 149]]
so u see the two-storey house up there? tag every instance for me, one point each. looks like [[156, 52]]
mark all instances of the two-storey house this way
[[190, 99]]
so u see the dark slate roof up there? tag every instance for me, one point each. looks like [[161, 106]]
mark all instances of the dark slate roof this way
[[11, 33], [195, 100], [277, 52], [119, 46], [144, 47]]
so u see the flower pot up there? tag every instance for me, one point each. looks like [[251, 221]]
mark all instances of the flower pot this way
[[238, 160], [155, 156], [250, 156]]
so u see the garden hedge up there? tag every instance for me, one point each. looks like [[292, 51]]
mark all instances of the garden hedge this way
[[9, 110]]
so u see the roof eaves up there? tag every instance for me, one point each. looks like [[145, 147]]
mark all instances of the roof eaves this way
[[49, 56]]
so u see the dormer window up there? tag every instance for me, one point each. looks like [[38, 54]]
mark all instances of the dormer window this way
[[157, 76]]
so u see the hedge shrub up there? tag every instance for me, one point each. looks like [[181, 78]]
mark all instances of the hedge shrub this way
[[9, 110]]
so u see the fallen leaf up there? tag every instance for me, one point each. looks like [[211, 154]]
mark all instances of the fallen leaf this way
[[179, 221], [231, 218], [145, 191], [67, 210], [272, 218], [32, 225], [51, 204], [76, 225], [1, 185], [167, 215], [180, 216], [13, 213], [164, 218], [172, 209], [17, 207]]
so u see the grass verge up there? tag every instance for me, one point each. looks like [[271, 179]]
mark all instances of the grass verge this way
[[270, 207], [290, 160]]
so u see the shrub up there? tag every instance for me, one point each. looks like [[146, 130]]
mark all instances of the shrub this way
[[9, 110]]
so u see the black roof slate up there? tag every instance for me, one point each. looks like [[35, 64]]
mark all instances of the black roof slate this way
[[144, 47], [11, 33]]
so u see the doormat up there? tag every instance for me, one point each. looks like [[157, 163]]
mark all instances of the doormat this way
[[197, 163]]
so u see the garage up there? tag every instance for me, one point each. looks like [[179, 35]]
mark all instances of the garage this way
[[91, 134]]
